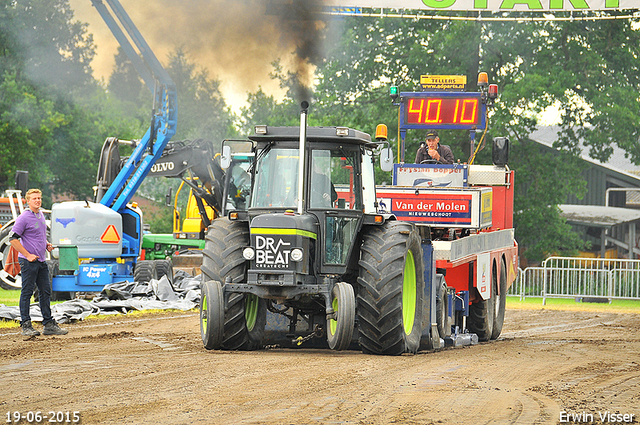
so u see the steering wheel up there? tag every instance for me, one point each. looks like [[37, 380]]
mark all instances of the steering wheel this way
[[430, 161]]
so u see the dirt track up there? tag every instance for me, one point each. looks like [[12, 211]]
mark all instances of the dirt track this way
[[154, 370]]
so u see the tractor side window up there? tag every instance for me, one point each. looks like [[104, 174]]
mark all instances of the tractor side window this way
[[323, 192], [239, 186], [276, 180], [332, 179]]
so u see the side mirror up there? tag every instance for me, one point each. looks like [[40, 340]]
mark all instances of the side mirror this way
[[500, 154], [386, 159], [22, 181], [225, 158], [169, 197]]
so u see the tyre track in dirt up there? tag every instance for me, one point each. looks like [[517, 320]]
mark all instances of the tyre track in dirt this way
[[155, 371]]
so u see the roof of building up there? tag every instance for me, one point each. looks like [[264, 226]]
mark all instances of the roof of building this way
[[598, 216], [617, 162]]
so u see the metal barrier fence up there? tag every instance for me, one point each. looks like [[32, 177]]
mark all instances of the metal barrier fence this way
[[574, 277]]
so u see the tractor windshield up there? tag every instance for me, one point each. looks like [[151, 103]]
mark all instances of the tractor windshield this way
[[276, 179]]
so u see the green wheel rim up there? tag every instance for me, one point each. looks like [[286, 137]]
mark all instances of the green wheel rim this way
[[203, 316], [409, 293], [251, 310], [333, 324]]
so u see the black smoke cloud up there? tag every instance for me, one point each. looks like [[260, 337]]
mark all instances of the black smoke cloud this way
[[237, 41]]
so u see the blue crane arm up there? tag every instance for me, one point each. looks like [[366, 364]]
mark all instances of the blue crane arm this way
[[165, 111]]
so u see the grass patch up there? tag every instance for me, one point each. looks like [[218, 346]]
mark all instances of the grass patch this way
[[8, 324], [570, 304], [9, 297]]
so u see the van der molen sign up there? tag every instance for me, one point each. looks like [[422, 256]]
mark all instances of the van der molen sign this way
[[493, 5]]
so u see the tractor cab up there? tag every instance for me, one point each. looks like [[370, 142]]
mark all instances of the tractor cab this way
[[295, 249], [308, 201]]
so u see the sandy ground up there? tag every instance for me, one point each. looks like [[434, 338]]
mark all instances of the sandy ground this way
[[547, 367]]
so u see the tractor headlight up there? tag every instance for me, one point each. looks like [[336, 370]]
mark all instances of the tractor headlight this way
[[248, 253], [296, 254]]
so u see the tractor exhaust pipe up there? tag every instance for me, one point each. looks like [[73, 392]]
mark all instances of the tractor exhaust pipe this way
[[303, 143]]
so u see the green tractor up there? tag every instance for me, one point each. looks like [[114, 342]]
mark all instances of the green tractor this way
[[311, 256]]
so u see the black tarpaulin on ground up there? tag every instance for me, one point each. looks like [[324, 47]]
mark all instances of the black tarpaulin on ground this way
[[121, 297]]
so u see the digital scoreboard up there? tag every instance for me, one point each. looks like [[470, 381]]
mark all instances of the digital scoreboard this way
[[443, 110]]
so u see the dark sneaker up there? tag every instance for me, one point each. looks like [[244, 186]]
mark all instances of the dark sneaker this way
[[52, 328], [28, 330]]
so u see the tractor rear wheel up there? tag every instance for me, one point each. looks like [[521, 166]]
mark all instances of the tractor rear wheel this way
[[164, 268], [390, 302], [442, 307], [144, 271], [212, 314], [340, 330], [245, 315], [481, 315], [6, 280], [501, 298]]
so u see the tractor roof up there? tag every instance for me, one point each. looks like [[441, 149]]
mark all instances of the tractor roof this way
[[314, 134]]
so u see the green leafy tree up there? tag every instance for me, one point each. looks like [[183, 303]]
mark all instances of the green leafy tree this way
[[587, 68], [54, 116], [27, 123], [90, 121], [42, 42], [44, 61], [127, 87], [203, 112]]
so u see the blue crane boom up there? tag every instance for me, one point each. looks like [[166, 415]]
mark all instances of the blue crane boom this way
[[164, 120]]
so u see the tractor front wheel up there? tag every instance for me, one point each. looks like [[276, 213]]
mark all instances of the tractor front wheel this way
[[164, 268], [211, 314], [340, 329], [245, 315]]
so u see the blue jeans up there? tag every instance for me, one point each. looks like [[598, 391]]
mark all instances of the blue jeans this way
[[35, 273]]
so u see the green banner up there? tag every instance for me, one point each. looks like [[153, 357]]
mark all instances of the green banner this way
[[493, 5]]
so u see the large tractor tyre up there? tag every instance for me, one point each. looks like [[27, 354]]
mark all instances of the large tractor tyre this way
[[442, 307], [390, 306], [7, 281], [481, 315], [212, 315], [144, 271], [340, 330], [245, 315], [164, 268], [500, 294]]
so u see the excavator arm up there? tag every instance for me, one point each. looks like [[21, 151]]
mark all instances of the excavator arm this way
[[195, 163]]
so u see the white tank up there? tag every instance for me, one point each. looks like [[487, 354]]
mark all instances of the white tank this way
[[94, 228]]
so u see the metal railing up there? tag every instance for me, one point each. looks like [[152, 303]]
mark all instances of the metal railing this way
[[575, 277]]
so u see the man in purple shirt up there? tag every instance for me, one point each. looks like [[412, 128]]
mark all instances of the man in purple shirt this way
[[29, 238]]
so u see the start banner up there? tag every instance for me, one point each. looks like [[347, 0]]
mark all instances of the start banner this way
[[493, 5]]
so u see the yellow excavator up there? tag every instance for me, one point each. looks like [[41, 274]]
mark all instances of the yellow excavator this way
[[211, 191]]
